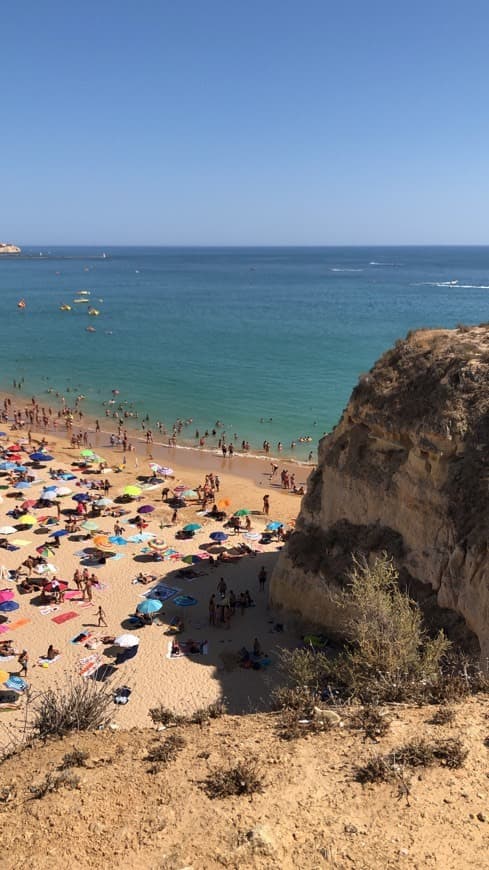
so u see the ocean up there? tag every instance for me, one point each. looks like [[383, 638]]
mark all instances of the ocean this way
[[269, 341]]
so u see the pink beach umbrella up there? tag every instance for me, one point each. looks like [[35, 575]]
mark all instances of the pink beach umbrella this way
[[6, 595]]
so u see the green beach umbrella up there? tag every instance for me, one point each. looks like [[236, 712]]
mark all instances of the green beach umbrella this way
[[243, 512], [132, 490]]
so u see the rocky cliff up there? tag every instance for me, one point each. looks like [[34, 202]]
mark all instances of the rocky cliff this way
[[406, 470]]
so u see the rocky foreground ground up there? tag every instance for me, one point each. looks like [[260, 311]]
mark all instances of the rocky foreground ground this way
[[121, 809]]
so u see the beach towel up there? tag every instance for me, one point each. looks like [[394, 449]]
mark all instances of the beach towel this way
[[81, 637], [187, 648], [89, 665], [13, 626], [64, 617], [44, 661], [161, 591], [50, 608], [73, 594], [185, 601], [20, 542], [6, 659]]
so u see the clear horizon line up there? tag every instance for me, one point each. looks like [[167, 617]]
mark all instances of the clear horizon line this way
[[245, 246]]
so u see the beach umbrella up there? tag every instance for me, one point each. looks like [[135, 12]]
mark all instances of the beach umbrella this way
[[59, 534], [6, 465], [252, 536], [90, 526], [149, 605], [51, 586], [192, 527], [189, 493], [52, 488], [223, 503], [27, 520], [4, 676], [117, 539], [45, 551], [104, 502], [126, 641], [87, 452], [19, 468], [273, 526], [7, 530], [218, 536], [101, 541], [64, 490], [8, 606], [81, 496], [156, 545], [3, 434], [161, 469], [146, 509], [14, 448], [132, 490], [242, 512], [41, 457], [192, 560], [23, 484], [49, 496]]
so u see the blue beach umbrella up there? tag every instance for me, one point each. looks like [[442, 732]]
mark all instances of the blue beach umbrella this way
[[192, 527], [218, 536], [149, 605], [81, 496], [49, 496], [41, 457], [7, 606], [117, 539], [59, 534], [272, 527], [23, 484], [52, 488], [6, 465], [19, 468]]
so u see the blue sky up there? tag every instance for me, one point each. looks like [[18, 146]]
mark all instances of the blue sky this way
[[271, 122]]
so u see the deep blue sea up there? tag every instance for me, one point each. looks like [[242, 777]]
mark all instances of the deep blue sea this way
[[235, 334]]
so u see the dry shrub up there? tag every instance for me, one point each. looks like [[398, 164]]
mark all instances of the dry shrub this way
[[77, 758], [53, 782], [445, 715], [78, 705], [164, 752], [417, 753], [162, 715], [244, 778], [373, 721]]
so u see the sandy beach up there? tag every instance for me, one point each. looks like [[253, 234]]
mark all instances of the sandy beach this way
[[182, 683]]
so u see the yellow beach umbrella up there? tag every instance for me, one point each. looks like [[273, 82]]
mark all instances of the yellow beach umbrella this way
[[27, 520], [132, 490], [4, 676]]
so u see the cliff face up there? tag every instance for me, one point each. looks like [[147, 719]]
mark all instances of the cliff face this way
[[407, 471]]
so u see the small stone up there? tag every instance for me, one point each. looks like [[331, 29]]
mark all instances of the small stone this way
[[481, 817], [350, 829]]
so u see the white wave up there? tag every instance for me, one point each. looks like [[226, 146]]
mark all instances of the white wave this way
[[374, 263], [346, 270], [453, 284]]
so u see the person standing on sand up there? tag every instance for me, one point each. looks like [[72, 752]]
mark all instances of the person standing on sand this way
[[101, 617], [266, 505], [262, 578], [212, 610], [222, 587]]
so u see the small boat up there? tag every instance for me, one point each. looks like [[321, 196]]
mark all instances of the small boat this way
[[21, 303], [65, 307], [78, 301], [84, 293], [90, 329], [93, 312]]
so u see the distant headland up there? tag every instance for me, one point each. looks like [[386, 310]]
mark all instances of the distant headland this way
[[9, 249]]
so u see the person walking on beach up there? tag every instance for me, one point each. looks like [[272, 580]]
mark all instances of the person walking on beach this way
[[101, 617], [23, 661], [266, 505], [262, 578], [222, 587]]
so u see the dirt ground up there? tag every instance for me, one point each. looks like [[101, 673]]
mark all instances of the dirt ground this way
[[312, 812]]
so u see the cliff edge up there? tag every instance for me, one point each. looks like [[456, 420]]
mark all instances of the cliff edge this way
[[406, 470]]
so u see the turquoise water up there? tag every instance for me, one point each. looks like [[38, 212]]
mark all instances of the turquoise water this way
[[231, 334]]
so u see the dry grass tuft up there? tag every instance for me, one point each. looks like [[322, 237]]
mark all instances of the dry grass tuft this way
[[244, 778]]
